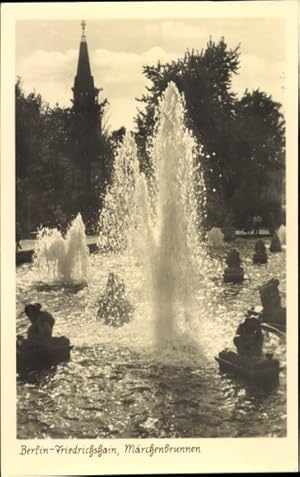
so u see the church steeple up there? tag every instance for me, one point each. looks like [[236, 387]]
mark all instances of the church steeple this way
[[86, 138], [85, 93], [83, 25]]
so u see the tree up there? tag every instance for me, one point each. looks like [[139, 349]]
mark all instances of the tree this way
[[50, 158], [243, 140], [88, 149], [205, 80], [30, 176], [260, 144]]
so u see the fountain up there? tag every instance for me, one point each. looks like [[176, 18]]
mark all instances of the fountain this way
[[177, 256], [118, 217], [215, 237], [63, 260], [281, 233], [155, 375], [155, 221]]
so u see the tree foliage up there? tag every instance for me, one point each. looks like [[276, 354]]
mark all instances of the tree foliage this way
[[50, 159], [260, 132], [243, 139]]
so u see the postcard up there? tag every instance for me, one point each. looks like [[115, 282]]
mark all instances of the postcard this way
[[149, 238]]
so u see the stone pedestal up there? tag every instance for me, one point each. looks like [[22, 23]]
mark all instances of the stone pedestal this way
[[260, 255], [233, 273], [275, 243], [272, 311]]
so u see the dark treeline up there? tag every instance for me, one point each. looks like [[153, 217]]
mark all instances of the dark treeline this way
[[54, 177], [243, 139]]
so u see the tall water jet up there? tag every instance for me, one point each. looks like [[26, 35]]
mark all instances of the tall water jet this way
[[177, 257], [61, 259], [155, 221]]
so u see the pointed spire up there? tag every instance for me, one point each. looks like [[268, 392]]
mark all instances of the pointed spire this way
[[84, 81], [83, 25]]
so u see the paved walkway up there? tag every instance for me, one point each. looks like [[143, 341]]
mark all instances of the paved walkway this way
[[28, 244], [25, 254]]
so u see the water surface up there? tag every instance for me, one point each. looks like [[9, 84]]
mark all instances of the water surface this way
[[118, 384]]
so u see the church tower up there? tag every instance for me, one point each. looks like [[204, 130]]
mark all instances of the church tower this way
[[86, 135], [85, 95]]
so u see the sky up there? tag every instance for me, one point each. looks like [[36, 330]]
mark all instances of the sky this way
[[47, 55]]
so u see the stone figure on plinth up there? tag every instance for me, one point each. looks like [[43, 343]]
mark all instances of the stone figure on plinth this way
[[233, 273], [272, 311], [275, 243], [260, 255]]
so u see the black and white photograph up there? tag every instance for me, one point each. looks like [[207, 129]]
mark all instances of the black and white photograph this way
[[152, 229]]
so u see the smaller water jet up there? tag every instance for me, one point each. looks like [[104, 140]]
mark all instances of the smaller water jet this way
[[281, 232], [64, 260], [215, 237]]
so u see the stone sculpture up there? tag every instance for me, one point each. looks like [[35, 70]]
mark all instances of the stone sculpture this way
[[260, 255], [275, 243], [272, 311], [233, 273]]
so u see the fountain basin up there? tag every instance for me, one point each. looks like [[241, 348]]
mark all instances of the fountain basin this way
[[118, 378], [155, 376]]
